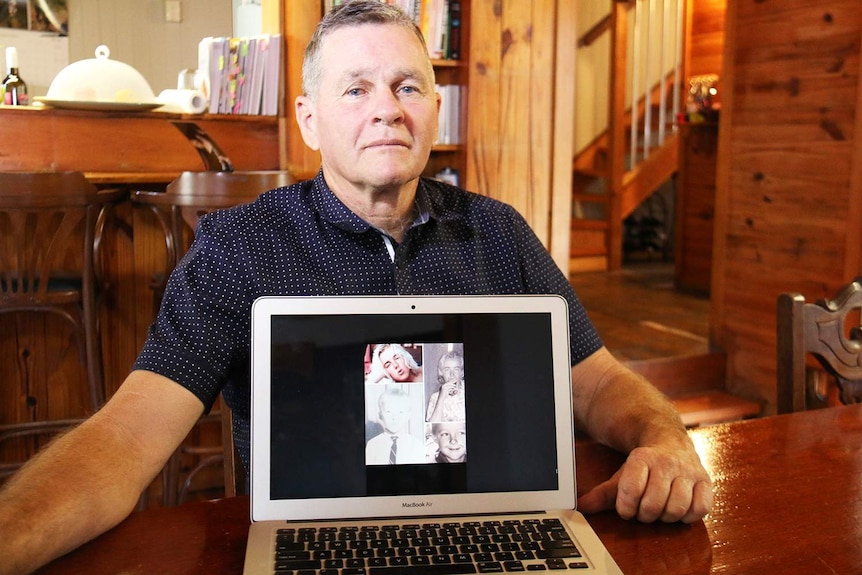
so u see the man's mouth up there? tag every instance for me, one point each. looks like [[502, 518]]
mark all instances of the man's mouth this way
[[387, 143]]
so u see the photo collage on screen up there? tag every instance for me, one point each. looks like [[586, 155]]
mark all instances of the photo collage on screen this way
[[415, 403]]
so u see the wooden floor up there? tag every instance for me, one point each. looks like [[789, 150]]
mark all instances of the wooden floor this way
[[640, 315]]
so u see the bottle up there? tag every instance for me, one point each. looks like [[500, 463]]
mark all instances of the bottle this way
[[14, 87]]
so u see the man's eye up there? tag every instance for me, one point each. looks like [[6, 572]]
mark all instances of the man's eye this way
[[354, 92], [409, 89]]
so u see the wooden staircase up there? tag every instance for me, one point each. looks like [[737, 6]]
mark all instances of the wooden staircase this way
[[598, 213], [632, 158], [614, 174]]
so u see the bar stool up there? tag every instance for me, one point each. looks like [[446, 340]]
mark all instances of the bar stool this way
[[49, 263], [187, 198], [192, 195]]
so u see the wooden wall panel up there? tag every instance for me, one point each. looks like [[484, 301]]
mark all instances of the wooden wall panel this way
[[510, 106], [788, 214], [706, 36], [300, 19], [695, 201]]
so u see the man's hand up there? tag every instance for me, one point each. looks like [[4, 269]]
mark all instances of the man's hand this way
[[449, 389], [654, 484]]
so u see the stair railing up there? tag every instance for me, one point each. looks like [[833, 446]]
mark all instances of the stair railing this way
[[646, 64], [661, 46]]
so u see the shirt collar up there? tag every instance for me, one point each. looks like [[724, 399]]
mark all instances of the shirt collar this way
[[429, 200]]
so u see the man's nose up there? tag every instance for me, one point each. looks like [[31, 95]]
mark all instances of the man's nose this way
[[387, 108]]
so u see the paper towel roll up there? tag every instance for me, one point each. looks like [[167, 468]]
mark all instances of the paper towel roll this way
[[182, 101]]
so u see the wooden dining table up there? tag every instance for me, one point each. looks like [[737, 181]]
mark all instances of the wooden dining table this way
[[788, 500]]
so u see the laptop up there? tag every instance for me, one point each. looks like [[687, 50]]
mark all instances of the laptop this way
[[362, 411]]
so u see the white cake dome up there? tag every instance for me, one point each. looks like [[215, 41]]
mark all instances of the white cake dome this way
[[101, 79]]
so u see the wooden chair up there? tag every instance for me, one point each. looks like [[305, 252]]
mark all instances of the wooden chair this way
[[178, 210], [830, 331], [194, 194], [49, 264], [178, 480], [49, 261], [34, 433]]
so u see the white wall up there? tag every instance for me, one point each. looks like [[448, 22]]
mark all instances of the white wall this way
[[137, 34], [40, 57]]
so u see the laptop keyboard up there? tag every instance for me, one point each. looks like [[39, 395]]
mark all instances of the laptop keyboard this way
[[447, 548]]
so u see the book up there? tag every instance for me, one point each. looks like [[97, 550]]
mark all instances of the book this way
[[454, 48], [241, 75], [271, 74]]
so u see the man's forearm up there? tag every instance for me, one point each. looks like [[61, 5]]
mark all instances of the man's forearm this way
[[74, 490], [624, 411]]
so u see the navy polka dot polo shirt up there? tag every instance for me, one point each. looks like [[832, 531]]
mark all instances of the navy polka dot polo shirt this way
[[301, 240]]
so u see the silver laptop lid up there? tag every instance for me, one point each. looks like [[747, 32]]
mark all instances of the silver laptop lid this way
[[334, 378]]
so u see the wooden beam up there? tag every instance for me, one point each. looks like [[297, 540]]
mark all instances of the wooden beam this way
[[617, 129], [722, 184], [564, 136], [853, 257], [647, 176], [595, 32], [300, 20]]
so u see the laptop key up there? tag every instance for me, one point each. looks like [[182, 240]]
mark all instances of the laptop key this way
[[284, 555], [555, 552], [490, 567], [443, 569], [297, 565]]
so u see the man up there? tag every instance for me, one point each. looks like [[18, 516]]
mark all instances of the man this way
[[447, 403], [366, 224], [395, 445]]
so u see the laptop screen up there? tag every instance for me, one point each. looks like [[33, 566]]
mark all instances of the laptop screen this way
[[410, 405]]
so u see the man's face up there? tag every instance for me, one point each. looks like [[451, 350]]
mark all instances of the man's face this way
[[452, 441], [374, 118], [451, 369], [395, 413], [394, 364]]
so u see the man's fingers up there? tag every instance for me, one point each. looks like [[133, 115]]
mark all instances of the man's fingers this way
[[601, 497], [679, 501], [701, 502], [632, 485], [651, 493]]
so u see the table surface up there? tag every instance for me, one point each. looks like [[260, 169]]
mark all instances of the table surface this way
[[788, 499]]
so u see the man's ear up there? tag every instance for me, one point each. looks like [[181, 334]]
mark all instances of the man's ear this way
[[306, 117]]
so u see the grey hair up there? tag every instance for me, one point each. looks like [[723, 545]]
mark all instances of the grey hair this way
[[454, 354], [351, 13]]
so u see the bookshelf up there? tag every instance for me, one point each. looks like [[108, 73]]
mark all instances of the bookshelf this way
[[298, 19]]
